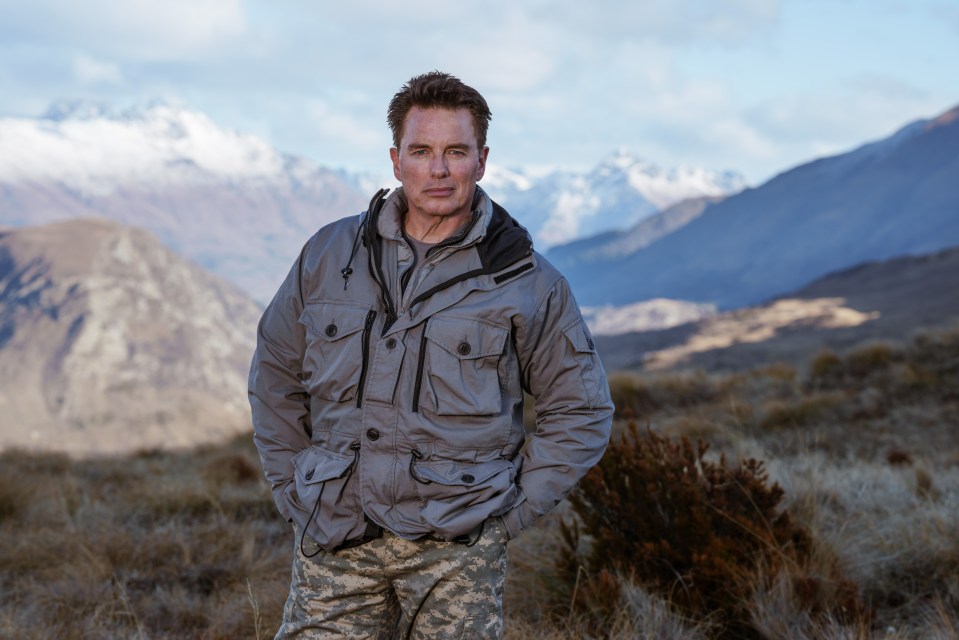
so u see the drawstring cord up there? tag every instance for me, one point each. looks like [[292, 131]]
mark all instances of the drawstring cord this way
[[346, 474], [363, 229], [347, 271], [312, 513]]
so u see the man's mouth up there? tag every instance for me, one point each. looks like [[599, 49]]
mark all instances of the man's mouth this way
[[440, 191]]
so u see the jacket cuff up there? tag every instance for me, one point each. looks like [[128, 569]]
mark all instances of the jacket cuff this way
[[282, 501], [518, 519]]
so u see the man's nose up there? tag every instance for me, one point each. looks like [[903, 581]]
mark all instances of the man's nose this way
[[438, 166]]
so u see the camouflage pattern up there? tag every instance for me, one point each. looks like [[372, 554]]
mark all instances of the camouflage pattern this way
[[395, 588]]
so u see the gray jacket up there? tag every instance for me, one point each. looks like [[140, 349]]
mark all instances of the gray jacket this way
[[391, 390]]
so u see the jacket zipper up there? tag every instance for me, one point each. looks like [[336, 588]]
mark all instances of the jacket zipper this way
[[419, 371], [367, 328]]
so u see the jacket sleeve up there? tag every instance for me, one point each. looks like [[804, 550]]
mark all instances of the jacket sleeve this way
[[279, 402], [574, 412]]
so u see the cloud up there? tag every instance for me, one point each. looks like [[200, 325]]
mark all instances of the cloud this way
[[723, 21], [90, 71], [134, 29], [854, 112], [671, 21], [721, 83], [337, 125]]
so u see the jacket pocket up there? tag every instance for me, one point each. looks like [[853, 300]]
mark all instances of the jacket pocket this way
[[314, 467], [584, 357], [457, 496], [334, 358], [462, 367], [330, 509]]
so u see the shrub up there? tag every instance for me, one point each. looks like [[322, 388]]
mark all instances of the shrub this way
[[870, 358], [826, 369], [703, 534], [631, 396], [14, 496], [801, 412], [684, 390], [934, 357]]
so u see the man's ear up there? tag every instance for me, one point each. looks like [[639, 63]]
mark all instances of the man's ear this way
[[395, 158], [483, 154]]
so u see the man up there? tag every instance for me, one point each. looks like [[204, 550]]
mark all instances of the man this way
[[387, 392]]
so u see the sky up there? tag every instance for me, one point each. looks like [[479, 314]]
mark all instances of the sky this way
[[755, 86]]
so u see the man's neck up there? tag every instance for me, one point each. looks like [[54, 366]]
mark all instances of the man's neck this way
[[433, 229]]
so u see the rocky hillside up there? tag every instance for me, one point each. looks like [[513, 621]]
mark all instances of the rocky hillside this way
[[110, 342]]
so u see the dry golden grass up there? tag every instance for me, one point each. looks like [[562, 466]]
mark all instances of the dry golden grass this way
[[165, 545], [153, 546]]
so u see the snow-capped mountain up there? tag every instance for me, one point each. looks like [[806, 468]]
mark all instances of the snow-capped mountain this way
[[95, 151], [238, 206], [228, 200], [616, 194]]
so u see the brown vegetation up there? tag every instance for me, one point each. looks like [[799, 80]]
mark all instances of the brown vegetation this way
[[842, 525]]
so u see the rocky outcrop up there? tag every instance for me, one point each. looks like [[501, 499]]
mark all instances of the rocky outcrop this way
[[110, 342]]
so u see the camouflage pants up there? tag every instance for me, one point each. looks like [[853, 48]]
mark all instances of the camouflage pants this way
[[396, 588]]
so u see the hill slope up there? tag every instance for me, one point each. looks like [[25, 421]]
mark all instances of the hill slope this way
[[888, 300], [110, 342], [891, 198]]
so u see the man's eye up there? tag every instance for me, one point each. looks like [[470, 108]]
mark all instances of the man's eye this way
[[419, 152]]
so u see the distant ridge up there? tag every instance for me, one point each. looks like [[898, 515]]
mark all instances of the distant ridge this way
[[110, 343], [895, 197], [887, 300], [614, 244]]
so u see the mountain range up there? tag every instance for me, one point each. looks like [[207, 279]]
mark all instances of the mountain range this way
[[241, 208], [111, 342], [622, 190], [229, 201], [894, 197]]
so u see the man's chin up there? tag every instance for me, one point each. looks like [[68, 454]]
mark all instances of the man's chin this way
[[444, 210]]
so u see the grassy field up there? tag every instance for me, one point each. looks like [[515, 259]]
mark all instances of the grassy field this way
[[865, 446]]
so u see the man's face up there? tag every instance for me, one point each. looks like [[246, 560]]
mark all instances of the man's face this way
[[438, 163]]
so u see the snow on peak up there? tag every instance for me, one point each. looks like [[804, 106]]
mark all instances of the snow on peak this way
[[498, 179], [77, 110], [618, 192], [94, 149], [664, 187]]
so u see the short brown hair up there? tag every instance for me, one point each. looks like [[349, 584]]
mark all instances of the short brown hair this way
[[438, 90]]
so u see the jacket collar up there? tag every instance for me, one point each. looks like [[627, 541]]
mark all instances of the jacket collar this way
[[499, 238], [495, 242], [390, 220]]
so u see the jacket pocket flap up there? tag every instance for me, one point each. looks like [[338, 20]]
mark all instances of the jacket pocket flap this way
[[464, 474], [466, 338], [319, 465], [580, 338], [333, 321]]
